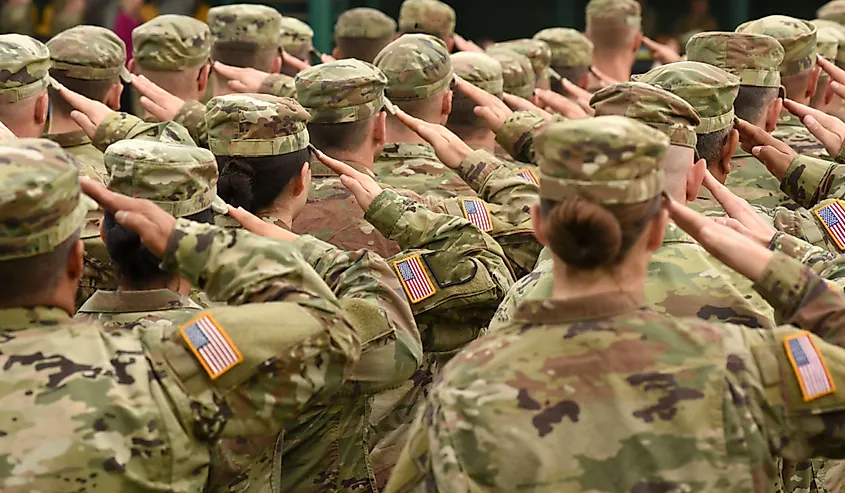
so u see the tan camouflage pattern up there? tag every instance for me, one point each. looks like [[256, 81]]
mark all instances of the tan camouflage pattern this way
[[296, 36], [24, 67], [827, 44], [797, 37], [171, 43], [750, 180], [811, 180], [538, 52], [79, 146], [480, 70], [119, 126], [88, 53], [156, 310], [651, 105], [627, 12], [516, 137], [416, 167], [280, 85], [364, 23], [569, 47], [791, 131], [517, 73], [833, 10], [836, 30], [246, 22], [340, 92], [710, 90], [427, 17], [416, 65], [255, 125], [606, 159], [754, 58]]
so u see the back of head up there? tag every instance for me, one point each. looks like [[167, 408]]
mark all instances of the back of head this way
[[24, 70], [363, 32], [427, 17], [538, 52], [482, 71], [245, 35], [833, 11], [571, 51], [296, 37], [612, 24], [600, 185], [260, 142], [837, 31], [517, 73], [171, 43]]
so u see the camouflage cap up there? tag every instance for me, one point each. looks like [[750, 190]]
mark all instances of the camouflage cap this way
[[41, 205], [364, 23], [651, 105], [24, 67], [246, 22], [607, 159], [710, 90], [255, 125], [754, 58], [797, 37], [827, 44], [538, 52], [416, 65], [171, 43], [427, 17], [88, 53], [836, 30], [180, 179], [628, 12], [480, 70], [297, 36], [833, 11], [343, 91], [517, 72], [569, 47]]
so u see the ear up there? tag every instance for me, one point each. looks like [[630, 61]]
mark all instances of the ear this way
[[656, 231], [446, 107], [131, 67], [450, 44], [539, 225], [276, 66], [42, 106], [694, 179], [202, 80], [102, 232], [813, 83], [379, 135], [113, 96], [336, 53], [728, 151], [303, 182], [75, 262], [773, 114], [638, 41]]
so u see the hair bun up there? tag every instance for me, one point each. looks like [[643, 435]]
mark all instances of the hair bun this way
[[583, 234], [236, 183]]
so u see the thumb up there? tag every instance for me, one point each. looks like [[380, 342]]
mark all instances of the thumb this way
[[84, 122], [238, 86], [152, 108]]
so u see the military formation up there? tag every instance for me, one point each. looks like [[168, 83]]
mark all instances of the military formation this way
[[419, 265]]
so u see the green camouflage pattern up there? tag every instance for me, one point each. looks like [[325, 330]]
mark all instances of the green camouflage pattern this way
[[628, 12], [340, 92], [255, 125], [79, 146], [427, 17], [750, 180], [606, 159], [280, 85], [754, 58], [833, 10], [171, 43], [811, 180], [416, 65], [296, 36], [517, 73], [797, 37], [791, 131], [537, 51], [516, 137], [570, 48], [192, 116], [828, 44], [480, 70], [836, 30], [710, 90], [257, 24], [364, 23], [24, 67], [416, 167], [158, 310], [88, 53], [651, 105]]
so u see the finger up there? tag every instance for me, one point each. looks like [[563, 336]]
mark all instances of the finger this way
[[84, 123], [238, 86], [248, 220], [107, 199], [410, 121], [327, 58], [77, 101], [337, 166], [769, 156], [148, 88], [838, 88], [135, 221], [480, 96], [152, 108], [836, 73], [829, 94], [296, 63], [831, 140], [228, 71], [357, 190], [650, 43]]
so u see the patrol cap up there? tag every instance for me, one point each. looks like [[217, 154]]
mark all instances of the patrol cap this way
[[171, 43], [827, 44], [41, 205], [797, 37], [246, 22], [627, 12], [609, 160], [416, 65], [297, 36], [833, 11], [89, 53], [343, 91], [651, 105], [836, 30], [255, 125], [517, 73], [754, 58], [569, 48], [24, 67], [427, 17], [710, 90], [538, 53], [364, 23], [182, 180], [480, 70]]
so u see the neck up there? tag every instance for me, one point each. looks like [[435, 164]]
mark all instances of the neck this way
[[62, 124], [363, 155], [485, 141], [397, 132], [281, 210], [616, 65], [569, 283]]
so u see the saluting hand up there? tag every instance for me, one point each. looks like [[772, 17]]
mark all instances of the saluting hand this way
[[450, 149], [254, 224], [562, 105], [88, 114], [363, 186], [828, 129], [155, 100], [241, 79], [743, 218], [774, 154], [489, 108]]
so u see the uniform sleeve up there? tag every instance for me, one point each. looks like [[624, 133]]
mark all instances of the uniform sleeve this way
[[496, 183], [278, 85], [517, 135], [121, 126], [799, 249], [414, 464], [810, 180], [192, 116]]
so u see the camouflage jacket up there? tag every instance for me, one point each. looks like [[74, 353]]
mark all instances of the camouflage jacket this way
[[678, 404], [416, 167], [517, 134], [790, 130], [123, 410], [750, 180], [139, 310], [78, 145], [192, 116], [278, 85]]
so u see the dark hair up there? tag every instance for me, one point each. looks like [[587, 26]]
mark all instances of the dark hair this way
[[24, 279], [255, 182], [586, 235], [710, 145], [463, 120], [574, 74], [91, 89], [752, 101], [244, 54], [362, 48], [135, 265], [339, 136]]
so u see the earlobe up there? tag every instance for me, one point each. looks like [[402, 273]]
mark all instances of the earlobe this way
[[113, 100], [657, 231], [42, 106], [202, 79], [446, 109]]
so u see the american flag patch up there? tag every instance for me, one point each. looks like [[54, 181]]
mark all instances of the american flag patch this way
[[211, 345], [810, 369], [414, 279], [833, 217], [476, 212], [528, 175]]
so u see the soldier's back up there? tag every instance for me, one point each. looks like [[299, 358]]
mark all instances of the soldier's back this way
[[792, 132], [416, 167], [750, 180]]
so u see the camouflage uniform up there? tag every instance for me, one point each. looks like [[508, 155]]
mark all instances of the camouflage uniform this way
[[679, 404], [517, 73], [427, 17], [364, 24], [144, 410], [297, 36], [570, 49], [612, 15], [171, 43], [27, 62], [538, 53]]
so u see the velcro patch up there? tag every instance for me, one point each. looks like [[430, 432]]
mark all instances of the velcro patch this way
[[809, 366], [211, 345], [414, 278], [833, 217], [475, 211], [528, 175]]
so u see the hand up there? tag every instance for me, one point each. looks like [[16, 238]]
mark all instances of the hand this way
[[254, 224], [363, 186], [241, 79], [774, 154], [325, 58], [581, 96], [462, 44], [450, 149], [736, 251], [488, 107], [743, 218], [517, 103], [561, 104], [155, 100], [828, 129], [295, 63], [148, 220], [661, 52], [88, 114]]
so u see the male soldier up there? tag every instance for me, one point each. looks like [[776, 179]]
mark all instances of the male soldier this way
[[297, 39], [517, 73], [836, 107], [832, 11], [827, 43], [428, 17], [799, 75], [538, 52], [154, 404], [362, 33], [484, 72], [572, 55], [615, 28], [23, 92]]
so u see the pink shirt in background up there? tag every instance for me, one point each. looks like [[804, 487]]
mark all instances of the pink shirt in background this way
[[124, 24]]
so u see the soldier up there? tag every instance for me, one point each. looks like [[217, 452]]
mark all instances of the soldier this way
[[428, 17], [23, 93], [486, 73], [517, 73], [835, 107], [828, 46], [538, 52], [572, 55], [507, 413], [154, 403], [362, 33], [833, 10], [297, 39], [615, 28]]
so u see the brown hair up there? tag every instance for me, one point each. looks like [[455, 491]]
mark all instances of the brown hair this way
[[347, 136], [244, 54], [362, 48], [91, 89]]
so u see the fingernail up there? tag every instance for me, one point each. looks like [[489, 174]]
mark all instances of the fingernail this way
[[809, 120], [756, 150], [120, 216]]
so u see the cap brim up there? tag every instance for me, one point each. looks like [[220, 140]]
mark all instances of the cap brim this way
[[389, 106], [125, 76], [219, 206], [88, 203]]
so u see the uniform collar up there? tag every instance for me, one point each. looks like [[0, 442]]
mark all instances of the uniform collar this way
[[24, 318], [227, 221], [408, 151], [69, 139], [152, 300], [552, 311]]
